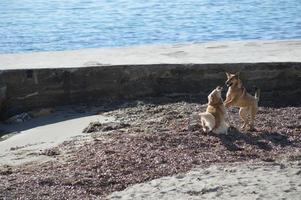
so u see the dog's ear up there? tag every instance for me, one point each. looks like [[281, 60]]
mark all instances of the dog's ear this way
[[219, 88], [227, 74], [237, 74], [212, 99]]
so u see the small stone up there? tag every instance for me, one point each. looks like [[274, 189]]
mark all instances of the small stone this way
[[194, 127], [50, 152]]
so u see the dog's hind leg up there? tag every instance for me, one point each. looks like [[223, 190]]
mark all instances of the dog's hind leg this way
[[207, 122], [243, 113], [253, 112], [205, 128]]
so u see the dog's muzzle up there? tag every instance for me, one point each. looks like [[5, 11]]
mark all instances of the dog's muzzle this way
[[220, 87], [228, 84]]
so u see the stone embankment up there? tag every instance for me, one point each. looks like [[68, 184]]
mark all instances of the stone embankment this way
[[39, 80]]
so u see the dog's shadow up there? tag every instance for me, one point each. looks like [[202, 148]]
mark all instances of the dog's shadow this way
[[234, 140]]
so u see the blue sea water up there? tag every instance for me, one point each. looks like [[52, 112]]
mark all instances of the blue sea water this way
[[40, 25]]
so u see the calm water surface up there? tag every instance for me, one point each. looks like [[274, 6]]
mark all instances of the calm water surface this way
[[40, 25]]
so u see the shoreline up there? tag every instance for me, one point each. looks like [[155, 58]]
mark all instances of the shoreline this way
[[262, 51]]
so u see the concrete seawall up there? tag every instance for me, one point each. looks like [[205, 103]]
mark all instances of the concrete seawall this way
[[273, 66]]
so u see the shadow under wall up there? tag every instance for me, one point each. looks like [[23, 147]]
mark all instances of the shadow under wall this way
[[29, 89]]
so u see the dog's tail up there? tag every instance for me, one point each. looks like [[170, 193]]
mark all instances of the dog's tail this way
[[257, 93]]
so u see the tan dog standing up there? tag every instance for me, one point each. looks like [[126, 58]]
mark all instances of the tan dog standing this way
[[214, 117], [237, 96]]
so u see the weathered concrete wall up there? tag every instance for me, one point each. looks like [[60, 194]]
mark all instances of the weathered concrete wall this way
[[28, 89]]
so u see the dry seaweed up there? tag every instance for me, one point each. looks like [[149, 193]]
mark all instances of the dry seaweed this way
[[97, 127], [162, 140]]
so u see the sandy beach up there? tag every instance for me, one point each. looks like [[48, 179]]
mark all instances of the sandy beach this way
[[231, 181], [31, 138], [200, 53], [156, 141], [104, 99]]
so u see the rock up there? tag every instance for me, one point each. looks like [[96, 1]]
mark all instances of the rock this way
[[194, 127]]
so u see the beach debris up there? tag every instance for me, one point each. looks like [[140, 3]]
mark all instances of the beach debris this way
[[157, 142], [26, 116], [41, 112], [203, 191], [97, 126], [16, 148], [19, 118], [51, 152], [6, 170], [114, 126], [93, 127], [6, 134]]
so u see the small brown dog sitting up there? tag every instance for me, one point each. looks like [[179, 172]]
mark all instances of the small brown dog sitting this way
[[214, 118], [237, 96]]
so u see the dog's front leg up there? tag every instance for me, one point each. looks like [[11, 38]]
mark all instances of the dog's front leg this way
[[227, 121], [228, 102]]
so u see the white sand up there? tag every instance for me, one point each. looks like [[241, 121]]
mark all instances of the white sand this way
[[211, 52], [42, 133], [241, 181]]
